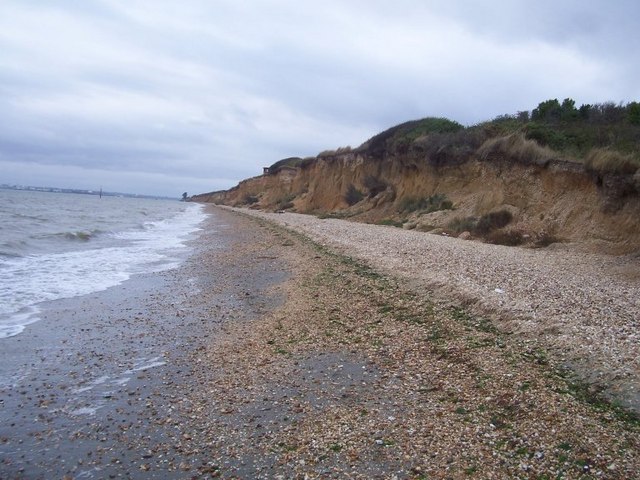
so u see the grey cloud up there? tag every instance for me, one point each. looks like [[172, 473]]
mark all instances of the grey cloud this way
[[200, 90]]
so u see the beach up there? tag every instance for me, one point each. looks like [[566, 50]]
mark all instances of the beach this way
[[582, 307], [92, 390], [289, 347]]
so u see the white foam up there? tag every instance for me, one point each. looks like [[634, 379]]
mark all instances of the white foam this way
[[27, 281], [89, 473], [14, 379], [121, 381], [83, 389], [85, 411], [17, 322], [145, 364], [100, 380], [92, 385]]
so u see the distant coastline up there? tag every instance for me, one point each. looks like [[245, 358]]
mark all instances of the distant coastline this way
[[30, 188]]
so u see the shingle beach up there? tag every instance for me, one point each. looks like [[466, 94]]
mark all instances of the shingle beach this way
[[293, 347]]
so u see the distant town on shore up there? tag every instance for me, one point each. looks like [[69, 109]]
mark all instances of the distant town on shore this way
[[81, 191]]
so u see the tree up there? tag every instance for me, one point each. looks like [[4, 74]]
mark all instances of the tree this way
[[569, 111], [184, 196], [633, 113], [547, 111], [584, 111]]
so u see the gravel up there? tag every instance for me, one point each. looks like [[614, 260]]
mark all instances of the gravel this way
[[585, 308], [268, 355], [363, 372]]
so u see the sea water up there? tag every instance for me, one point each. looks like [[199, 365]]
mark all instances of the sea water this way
[[58, 245]]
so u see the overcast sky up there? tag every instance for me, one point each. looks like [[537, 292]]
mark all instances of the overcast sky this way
[[159, 97]]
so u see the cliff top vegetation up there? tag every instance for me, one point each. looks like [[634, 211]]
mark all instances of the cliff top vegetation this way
[[603, 136]]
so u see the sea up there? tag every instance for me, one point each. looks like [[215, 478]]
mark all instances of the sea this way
[[63, 245]]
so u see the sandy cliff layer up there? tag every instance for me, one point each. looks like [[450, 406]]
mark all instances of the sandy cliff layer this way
[[548, 200]]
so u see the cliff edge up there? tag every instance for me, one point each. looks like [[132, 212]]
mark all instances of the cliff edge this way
[[504, 181]]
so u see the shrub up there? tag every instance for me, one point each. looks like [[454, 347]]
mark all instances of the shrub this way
[[449, 148], [459, 224], [603, 160], [342, 150], [374, 185], [390, 222], [336, 215], [285, 202], [326, 153], [545, 238], [546, 135], [516, 147], [430, 204], [510, 238], [250, 199], [332, 153], [549, 111], [493, 221], [488, 227], [405, 133], [353, 195], [285, 162], [560, 125], [633, 113], [306, 162], [607, 112]]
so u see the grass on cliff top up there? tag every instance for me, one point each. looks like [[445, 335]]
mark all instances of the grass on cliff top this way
[[607, 160], [518, 148], [285, 162], [406, 133], [605, 137]]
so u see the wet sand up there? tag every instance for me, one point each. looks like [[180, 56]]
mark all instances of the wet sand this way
[[92, 390]]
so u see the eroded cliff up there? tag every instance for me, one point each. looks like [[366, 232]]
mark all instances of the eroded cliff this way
[[502, 189]]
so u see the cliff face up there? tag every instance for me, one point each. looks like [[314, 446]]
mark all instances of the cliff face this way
[[545, 200]]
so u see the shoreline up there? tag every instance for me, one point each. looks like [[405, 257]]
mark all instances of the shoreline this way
[[288, 358], [94, 386]]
